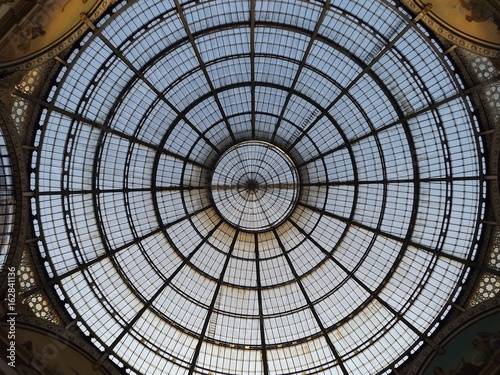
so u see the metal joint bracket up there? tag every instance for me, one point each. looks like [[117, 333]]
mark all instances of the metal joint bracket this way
[[485, 132], [489, 222], [61, 61], [423, 12], [87, 21], [100, 362], [449, 50]]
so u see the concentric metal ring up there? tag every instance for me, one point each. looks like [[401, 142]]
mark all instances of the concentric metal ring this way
[[348, 257], [255, 186]]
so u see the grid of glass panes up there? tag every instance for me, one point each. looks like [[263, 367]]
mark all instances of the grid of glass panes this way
[[386, 219], [7, 203]]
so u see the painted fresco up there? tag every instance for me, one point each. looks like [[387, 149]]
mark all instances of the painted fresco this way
[[470, 351], [477, 20], [45, 354], [48, 23]]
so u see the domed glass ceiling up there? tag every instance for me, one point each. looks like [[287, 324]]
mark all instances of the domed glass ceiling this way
[[7, 203], [258, 187]]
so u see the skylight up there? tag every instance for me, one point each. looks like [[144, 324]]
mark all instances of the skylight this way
[[258, 187]]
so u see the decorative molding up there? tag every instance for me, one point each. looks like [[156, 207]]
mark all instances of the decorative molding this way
[[449, 331], [494, 164], [52, 51], [461, 40], [65, 336], [20, 181]]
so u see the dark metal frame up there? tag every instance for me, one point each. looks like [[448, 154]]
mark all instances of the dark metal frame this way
[[214, 92]]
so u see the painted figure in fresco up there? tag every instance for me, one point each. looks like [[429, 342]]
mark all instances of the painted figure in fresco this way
[[439, 371], [35, 26], [464, 368], [485, 344], [482, 11], [36, 30]]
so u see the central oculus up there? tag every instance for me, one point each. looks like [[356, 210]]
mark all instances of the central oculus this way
[[255, 186]]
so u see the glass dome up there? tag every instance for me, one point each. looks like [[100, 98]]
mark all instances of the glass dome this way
[[254, 186], [7, 202], [258, 187]]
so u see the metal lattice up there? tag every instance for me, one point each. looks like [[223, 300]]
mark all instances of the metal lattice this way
[[7, 202], [258, 187]]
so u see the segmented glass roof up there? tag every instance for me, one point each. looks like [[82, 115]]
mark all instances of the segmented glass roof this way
[[7, 202], [331, 240]]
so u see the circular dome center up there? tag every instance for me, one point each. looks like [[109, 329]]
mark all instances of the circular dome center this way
[[255, 186], [251, 186]]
